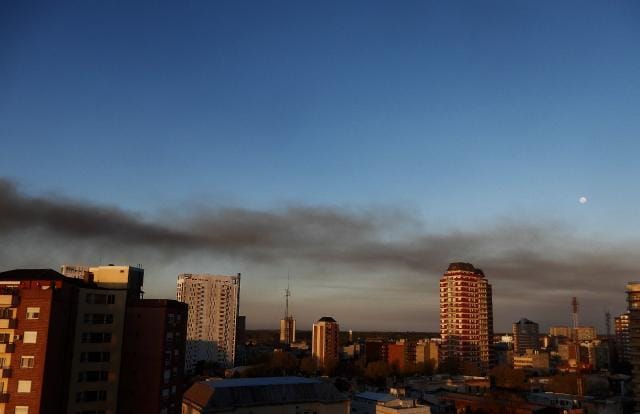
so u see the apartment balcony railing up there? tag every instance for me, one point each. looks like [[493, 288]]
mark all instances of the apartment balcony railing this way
[[5, 372], [4, 397], [7, 348], [8, 323], [8, 298]]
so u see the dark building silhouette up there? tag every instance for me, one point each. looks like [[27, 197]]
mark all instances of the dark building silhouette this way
[[152, 378]]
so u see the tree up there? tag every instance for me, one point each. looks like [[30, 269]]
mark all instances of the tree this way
[[450, 366], [308, 366], [377, 372], [504, 376], [281, 364], [471, 369]]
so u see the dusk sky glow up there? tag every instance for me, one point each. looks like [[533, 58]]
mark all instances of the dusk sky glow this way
[[361, 146]]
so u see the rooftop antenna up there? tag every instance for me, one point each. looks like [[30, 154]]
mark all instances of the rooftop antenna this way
[[574, 307]]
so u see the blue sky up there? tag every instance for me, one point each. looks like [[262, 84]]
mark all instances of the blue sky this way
[[463, 112]]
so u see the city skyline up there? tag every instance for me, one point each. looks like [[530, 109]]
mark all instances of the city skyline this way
[[360, 146]]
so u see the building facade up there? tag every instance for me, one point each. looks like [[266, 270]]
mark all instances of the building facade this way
[[288, 330], [581, 333], [214, 304], [324, 342], [97, 350], [427, 351], [153, 356], [402, 354], [623, 343], [36, 331], [525, 336], [633, 303], [466, 316]]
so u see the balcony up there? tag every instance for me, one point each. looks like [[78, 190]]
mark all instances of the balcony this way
[[7, 348], [9, 299], [8, 323], [5, 372], [4, 397]]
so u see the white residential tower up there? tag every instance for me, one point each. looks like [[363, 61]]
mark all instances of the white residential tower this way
[[214, 303]]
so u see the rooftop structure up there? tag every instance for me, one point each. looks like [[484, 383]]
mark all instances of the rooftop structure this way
[[382, 403]]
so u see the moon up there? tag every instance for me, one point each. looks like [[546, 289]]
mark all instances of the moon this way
[[583, 200]]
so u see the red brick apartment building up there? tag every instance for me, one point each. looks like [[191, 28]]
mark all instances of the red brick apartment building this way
[[38, 309]]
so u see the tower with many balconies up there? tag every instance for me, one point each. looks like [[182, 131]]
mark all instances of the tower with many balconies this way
[[466, 316]]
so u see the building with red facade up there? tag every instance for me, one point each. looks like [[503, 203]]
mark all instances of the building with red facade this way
[[36, 328], [466, 316], [402, 354]]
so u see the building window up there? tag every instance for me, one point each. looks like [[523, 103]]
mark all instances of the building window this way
[[24, 386], [6, 313], [93, 376], [30, 337], [27, 361], [95, 356], [22, 409], [33, 313], [98, 318], [96, 337], [87, 396]]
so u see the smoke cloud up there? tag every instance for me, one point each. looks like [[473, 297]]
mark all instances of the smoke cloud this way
[[527, 263]]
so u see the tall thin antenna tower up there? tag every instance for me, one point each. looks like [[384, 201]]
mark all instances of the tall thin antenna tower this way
[[574, 307], [287, 324], [287, 293]]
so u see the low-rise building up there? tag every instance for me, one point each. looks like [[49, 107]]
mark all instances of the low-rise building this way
[[532, 359], [381, 403], [270, 395]]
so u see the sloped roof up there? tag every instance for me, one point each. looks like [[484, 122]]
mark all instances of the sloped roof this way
[[40, 274], [376, 396], [219, 395]]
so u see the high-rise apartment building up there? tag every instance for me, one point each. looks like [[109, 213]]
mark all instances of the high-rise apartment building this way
[[633, 303], [324, 342], [288, 330], [525, 336], [623, 343], [466, 316], [214, 304]]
